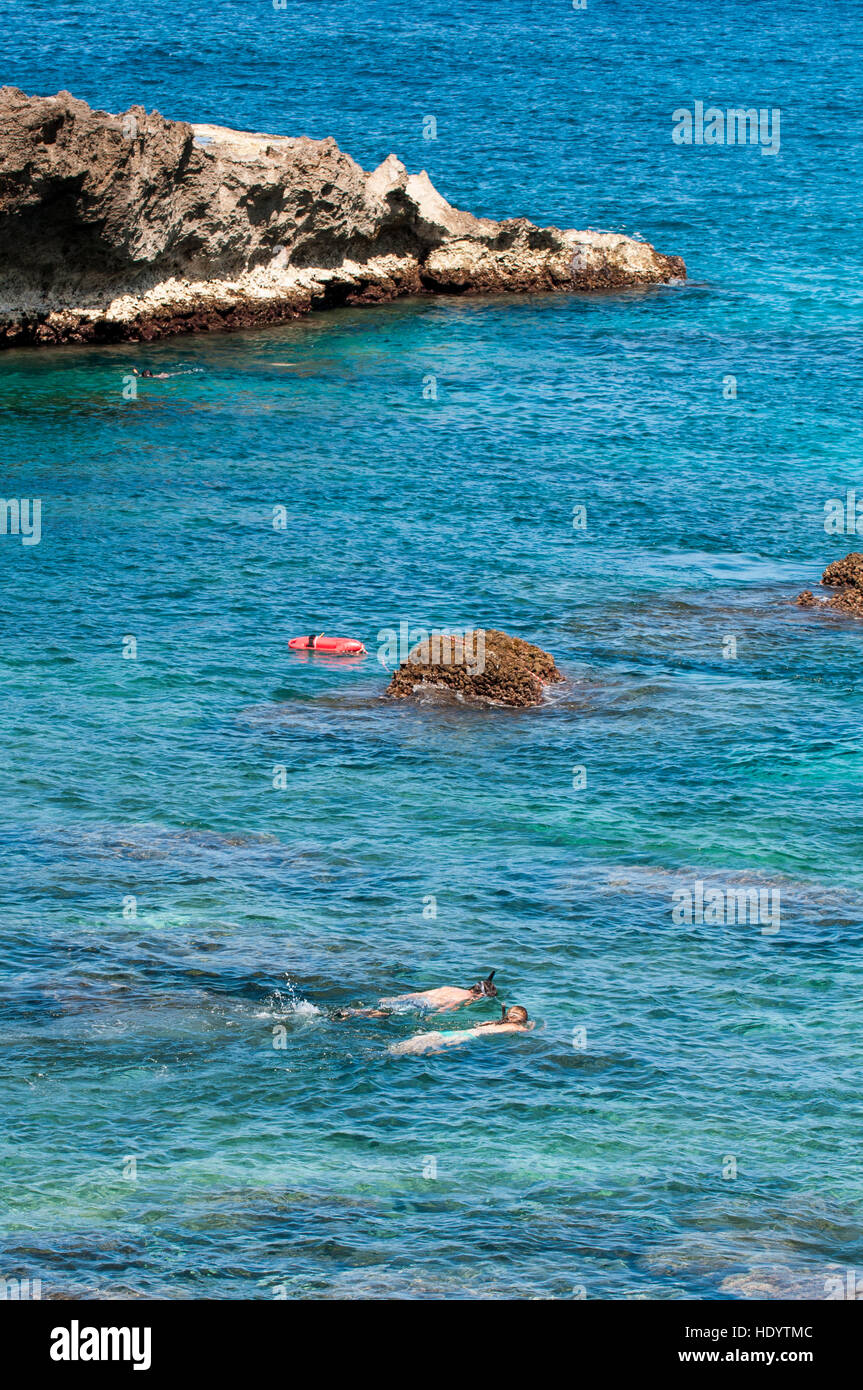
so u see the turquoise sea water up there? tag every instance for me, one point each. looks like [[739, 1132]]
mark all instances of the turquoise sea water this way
[[561, 1162]]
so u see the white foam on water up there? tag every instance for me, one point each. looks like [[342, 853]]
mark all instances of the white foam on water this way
[[289, 1004]]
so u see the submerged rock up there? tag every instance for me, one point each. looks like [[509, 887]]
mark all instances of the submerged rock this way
[[483, 666], [847, 576], [134, 226]]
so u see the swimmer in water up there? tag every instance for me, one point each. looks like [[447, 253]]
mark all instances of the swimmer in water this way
[[512, 1020], [155, 376], [439, 1001], [448, 997]]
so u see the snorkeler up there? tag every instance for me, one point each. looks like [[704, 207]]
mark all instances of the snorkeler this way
[[512, 1020], [447, 997], [439, 1001]]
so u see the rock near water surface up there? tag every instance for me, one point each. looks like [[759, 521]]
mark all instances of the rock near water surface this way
[[845, 575], [480, 667]]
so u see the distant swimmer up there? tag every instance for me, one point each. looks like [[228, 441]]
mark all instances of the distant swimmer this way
[[512, 1020], [165, 376], [439, 1001]]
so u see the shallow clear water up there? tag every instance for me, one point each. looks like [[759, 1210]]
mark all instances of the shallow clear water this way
[[562, 1162]]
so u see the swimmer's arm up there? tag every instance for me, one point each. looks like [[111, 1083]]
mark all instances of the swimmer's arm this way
[[361, 1013]]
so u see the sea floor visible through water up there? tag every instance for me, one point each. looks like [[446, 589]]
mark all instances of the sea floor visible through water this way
[[182, 1115]]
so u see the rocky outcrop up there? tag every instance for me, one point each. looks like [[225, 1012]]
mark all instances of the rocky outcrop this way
[[133, 226], [847, 576], [847, 571], [481, 666]]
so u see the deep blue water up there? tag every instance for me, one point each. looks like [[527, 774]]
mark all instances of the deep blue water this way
[[563, 1163]]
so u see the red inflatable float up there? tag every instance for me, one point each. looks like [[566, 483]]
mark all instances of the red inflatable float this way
[[333, 646]]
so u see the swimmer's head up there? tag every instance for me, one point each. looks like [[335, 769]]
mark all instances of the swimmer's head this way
[[484, 989], [514, 1015]]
